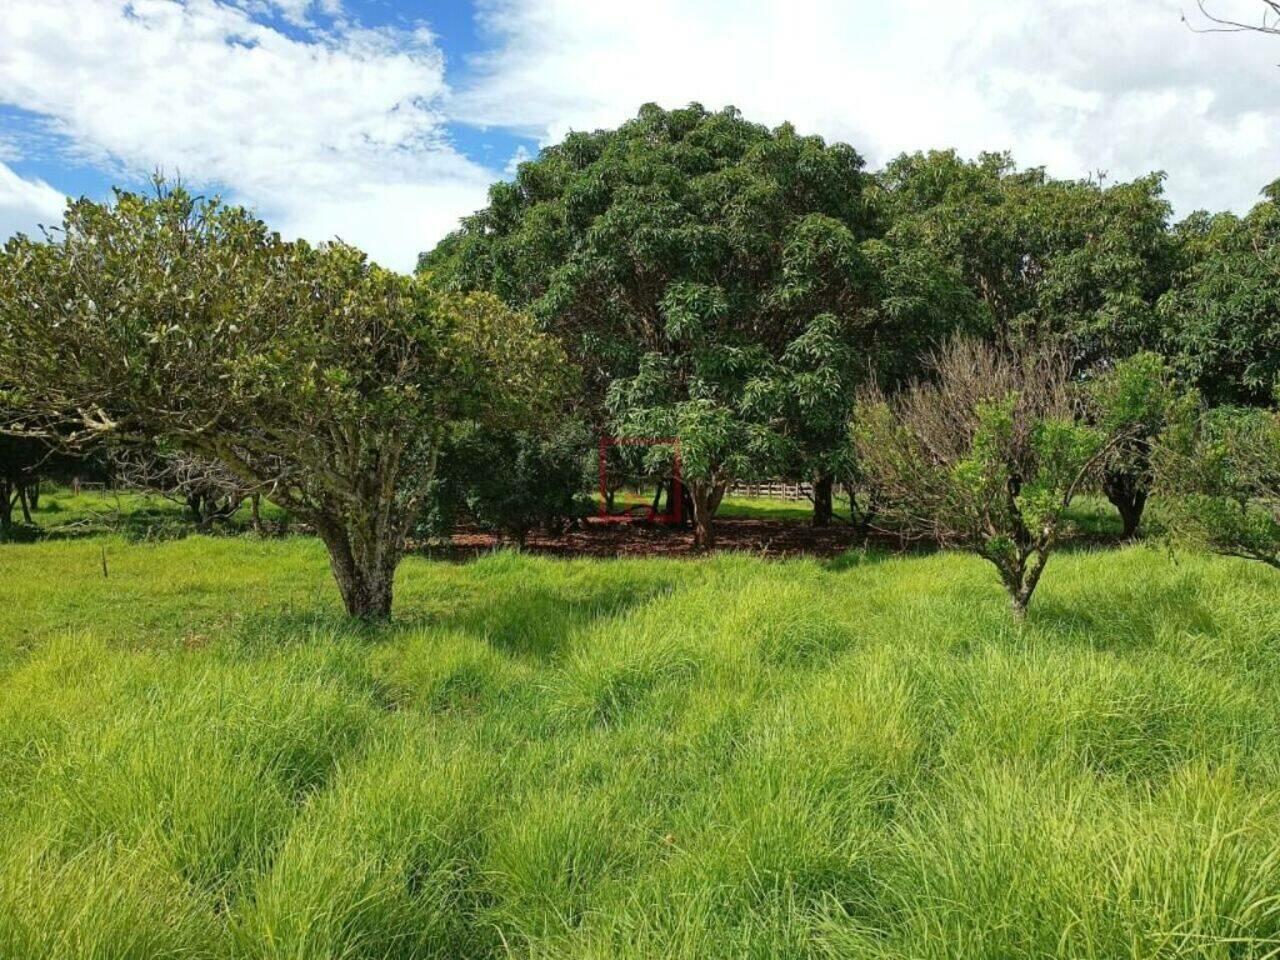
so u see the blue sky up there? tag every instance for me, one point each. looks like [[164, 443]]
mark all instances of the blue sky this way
[[384, 121]]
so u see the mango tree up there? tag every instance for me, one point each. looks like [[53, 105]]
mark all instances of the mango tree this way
[[696, 266], [1222, 316]]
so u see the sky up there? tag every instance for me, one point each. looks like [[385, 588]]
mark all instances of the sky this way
[[382, 122]]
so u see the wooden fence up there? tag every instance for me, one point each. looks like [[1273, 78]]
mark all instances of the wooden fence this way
[[773, 490]]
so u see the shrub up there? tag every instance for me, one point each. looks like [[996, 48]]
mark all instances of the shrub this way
[[1221, 468], [1132, 401], [515, 481], [986, 457]]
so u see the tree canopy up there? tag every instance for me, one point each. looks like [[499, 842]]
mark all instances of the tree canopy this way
[[173, 320], [712, 277], [1074, 260], [1222, 318]]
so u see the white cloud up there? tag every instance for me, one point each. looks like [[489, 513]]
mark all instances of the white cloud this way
[[330, 128], [1076, 85], [520, 156], [296, 12], [27, 204], [338, 131]]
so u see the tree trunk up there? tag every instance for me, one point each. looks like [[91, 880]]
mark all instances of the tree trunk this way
[[364, 569], [1021, 578], [1128, 494], [1018, 603], [686, 506], [33, 496], [823, 505], [860, 517], [6, 506], [26, 507], [706, 498], [255, 506]]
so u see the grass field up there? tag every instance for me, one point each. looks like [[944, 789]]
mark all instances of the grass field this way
[[635, 758]]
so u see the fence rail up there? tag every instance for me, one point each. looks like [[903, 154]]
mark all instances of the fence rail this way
[[773, 490]]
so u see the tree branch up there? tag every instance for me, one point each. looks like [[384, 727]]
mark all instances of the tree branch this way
[[1268, 23]]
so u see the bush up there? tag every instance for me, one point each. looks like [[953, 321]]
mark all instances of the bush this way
[[513, 481], [1131, 401], [1222, 470]]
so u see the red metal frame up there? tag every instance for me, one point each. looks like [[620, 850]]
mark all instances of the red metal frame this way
[[674, 516]]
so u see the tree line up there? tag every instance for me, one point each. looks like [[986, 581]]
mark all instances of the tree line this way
[[960, 346]]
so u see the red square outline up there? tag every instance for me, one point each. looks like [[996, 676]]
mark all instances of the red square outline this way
[[674, 516]]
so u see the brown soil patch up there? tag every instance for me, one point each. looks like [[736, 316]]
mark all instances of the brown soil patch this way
[[766, 538]]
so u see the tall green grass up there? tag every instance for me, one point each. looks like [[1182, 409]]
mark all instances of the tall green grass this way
[[714, 758]]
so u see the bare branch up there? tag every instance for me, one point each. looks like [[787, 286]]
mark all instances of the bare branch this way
[[1268, 22]]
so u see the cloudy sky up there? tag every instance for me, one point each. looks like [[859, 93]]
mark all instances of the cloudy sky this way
[[383, 121]]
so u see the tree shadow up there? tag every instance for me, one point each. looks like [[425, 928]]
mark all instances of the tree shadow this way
[[142, 525], [538, 620], [1122, 618], [523, 610], [862, 557]]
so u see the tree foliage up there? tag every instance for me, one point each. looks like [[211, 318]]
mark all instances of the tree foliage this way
[[708, 274], [1221, 470], [184, 322], [515, 481], [985, 456], [1132, 401], [1045, 258], [1223, 314]]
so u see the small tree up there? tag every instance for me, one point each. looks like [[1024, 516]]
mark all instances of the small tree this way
[[717, 444], [185, 323], [1221, 471], [986, 456], [210, 491], [1131, 402]]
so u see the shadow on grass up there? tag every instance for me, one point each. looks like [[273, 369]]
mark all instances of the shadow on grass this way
[[146, 525], [865, 557], [537, 620], [526, 613], [1124, 618]]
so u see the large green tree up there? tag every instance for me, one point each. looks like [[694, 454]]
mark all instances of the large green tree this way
[[188, 324], [708, 274], [1075, 260], [1222, 317]]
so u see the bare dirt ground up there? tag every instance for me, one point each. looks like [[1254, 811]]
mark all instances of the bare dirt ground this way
[[766, 538]]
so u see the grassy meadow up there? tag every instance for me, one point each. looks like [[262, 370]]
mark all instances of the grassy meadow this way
[[727, 757]]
